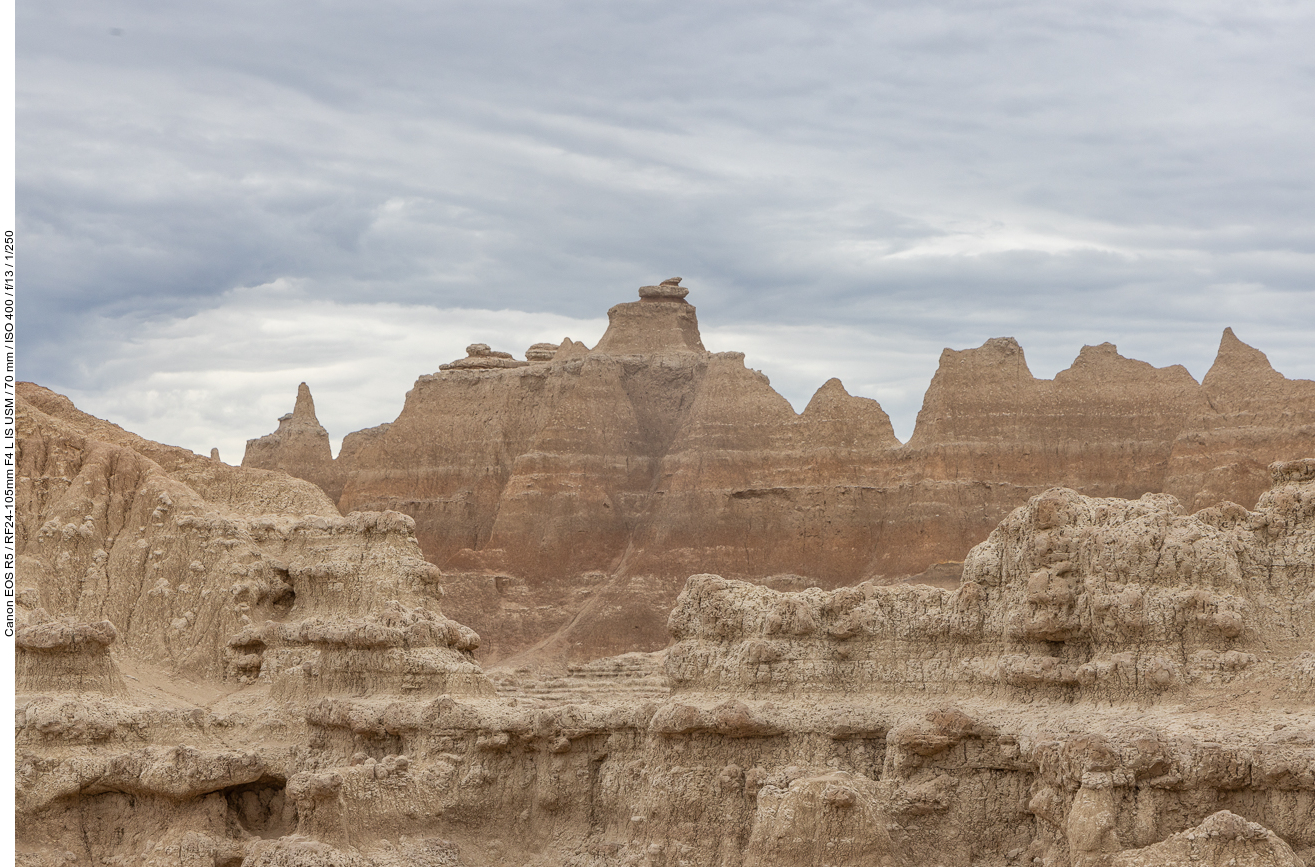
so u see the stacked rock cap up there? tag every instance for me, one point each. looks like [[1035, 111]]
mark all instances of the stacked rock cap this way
[[541, 352], [480, 357], [667, 290], [660, 322]]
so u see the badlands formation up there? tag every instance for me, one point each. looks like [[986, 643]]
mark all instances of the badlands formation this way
[[568, 496], [219, 667]]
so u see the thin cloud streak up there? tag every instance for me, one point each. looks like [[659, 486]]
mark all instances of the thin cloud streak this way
[[220, 377], [225, 375]]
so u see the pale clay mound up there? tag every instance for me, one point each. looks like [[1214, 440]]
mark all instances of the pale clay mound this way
[[568, 496], [217, 668]]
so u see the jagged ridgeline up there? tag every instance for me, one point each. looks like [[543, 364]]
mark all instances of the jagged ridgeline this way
[[567, 496], [217, 669]]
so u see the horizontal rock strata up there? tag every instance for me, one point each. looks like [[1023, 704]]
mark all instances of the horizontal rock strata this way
[[1113, 682], [229, 573], [567, 496]]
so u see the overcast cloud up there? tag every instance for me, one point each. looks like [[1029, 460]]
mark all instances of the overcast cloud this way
[[219, 200]]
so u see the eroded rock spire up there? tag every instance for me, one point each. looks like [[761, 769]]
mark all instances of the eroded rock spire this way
[[304, 409], [300, 446]]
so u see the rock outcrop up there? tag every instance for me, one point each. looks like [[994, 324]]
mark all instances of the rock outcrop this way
[[1224, 838], [1113, 682], [1089, 598], [567, 496], [216, 571], [1256, 416], [480, 357], [65, 655], [299, 447]]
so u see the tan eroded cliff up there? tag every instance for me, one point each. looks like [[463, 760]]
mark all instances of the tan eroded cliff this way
[[1115, 682], [568, 496], [220, 572]]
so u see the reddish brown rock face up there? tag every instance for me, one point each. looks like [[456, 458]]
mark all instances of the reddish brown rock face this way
[[1255, 416], [214, 667], [990, 434], [568, 496]]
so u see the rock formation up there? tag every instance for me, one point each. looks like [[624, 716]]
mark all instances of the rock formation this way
[[216, 571], [567, 496], [300, 447], [480, 357], [218, 669], [1256, 416]]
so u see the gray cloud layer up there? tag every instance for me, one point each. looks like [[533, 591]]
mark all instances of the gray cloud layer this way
[[895, 177]]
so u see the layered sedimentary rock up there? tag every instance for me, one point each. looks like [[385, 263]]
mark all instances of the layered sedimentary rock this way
[[1114, 682], [568, 495], [217, 571], [990, 435], [1256, 416], [65, 655], [1091, 598]]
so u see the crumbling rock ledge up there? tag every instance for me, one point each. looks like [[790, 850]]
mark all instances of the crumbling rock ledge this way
[[1083, 597]]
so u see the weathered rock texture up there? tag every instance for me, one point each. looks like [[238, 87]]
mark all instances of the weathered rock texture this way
[[1098, 598], [1256, 416], [300, 447], [222, 572], [568, 496], [1114, 682]]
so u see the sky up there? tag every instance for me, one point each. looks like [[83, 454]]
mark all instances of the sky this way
[[217, 201]]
